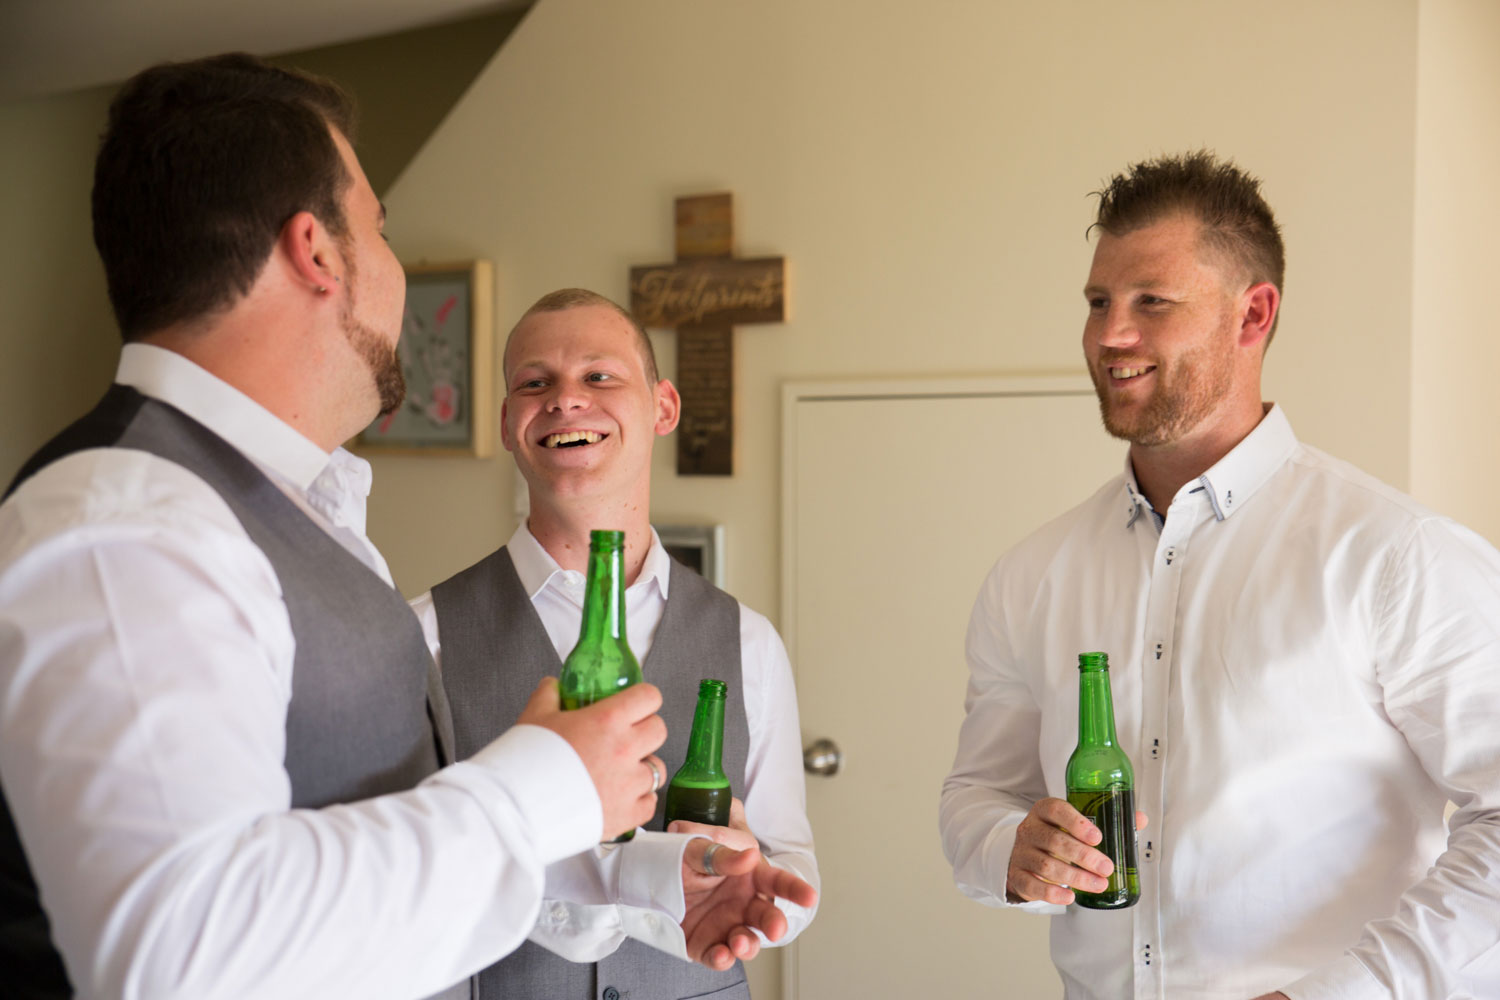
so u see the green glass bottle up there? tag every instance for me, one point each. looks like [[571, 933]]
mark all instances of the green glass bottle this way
[[601, 664], [1101, 785], [699, 791]]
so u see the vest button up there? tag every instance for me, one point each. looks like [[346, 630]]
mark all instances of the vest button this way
[[610, 993]]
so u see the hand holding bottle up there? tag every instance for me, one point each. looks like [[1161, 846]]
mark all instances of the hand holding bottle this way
[[1055, 850], [616, 739]]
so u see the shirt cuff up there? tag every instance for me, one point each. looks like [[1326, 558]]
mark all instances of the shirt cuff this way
[[542, 779], [651, 873], [998, 847], [1345, 979]]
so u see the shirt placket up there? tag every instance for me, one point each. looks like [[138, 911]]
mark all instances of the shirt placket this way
[[1168, 558]]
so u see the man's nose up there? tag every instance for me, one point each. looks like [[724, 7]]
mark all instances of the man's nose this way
[[1116, 327], [566, 396]]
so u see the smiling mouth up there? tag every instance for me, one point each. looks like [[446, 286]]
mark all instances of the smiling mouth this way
[[572, 439], [1122, 374]]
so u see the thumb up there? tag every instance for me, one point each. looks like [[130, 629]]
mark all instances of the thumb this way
[[545, 699], [727, 861]]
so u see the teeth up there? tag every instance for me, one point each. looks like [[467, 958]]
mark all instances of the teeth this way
[[1123, 373], [556, 440]]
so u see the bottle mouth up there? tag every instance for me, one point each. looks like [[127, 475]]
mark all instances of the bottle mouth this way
[[1093, 661], [606, 541], [709, 688]]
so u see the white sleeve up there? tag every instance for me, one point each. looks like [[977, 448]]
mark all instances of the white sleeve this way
[[997, 771], [145, 671], [775, 793], [1439, 670], [597, 899]]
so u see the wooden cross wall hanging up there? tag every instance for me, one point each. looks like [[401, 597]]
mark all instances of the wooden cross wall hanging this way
[[703, 295]]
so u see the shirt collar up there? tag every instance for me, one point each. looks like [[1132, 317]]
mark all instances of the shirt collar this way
[[536, 568], [257, 432], [342, 490], [1233, 479], [1138, 503]]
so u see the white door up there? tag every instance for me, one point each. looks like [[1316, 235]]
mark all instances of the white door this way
[[898, 497]]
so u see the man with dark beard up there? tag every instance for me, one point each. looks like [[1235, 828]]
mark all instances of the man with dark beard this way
[[1303, 659], [222, 744]]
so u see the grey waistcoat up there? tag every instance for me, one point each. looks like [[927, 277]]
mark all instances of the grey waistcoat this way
[[494, 651], [358, 724]]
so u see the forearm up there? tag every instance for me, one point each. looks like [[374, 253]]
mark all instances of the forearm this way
[[1441, 939], [142, 745], [997, 773], [391, 897], [978, 827], [775, 793]]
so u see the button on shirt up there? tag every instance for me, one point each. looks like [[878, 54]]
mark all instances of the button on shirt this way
[[774, 796], [1305, 666], [146, 663]]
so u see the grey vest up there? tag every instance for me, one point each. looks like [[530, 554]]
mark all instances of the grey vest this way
[[358, 724], [495, 650]]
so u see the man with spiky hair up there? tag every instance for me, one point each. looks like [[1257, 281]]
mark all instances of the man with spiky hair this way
[[222, 743], [1303, 659]]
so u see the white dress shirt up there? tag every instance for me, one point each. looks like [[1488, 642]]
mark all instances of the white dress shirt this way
[[774, 794], [1305, 666], [146, 661]]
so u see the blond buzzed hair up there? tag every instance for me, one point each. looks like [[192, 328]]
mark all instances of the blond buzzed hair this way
[[573, 298]]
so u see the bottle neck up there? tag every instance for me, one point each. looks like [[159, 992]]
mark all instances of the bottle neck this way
[[705, 755], [1096, 709], [604, 596]]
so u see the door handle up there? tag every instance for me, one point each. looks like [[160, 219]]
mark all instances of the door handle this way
[[822, 757]]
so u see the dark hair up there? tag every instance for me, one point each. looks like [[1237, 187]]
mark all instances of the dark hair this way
[[569, 298], [1237, 222], [201, 166]]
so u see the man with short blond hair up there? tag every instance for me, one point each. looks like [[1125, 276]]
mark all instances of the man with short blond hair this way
[[583, 407]]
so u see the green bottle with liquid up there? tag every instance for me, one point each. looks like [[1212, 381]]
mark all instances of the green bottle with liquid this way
[[699, 792], [1101, 785], [601, 664]]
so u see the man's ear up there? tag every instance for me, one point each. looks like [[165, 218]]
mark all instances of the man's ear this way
[[1258, 313], [668, 407], [310, 251]]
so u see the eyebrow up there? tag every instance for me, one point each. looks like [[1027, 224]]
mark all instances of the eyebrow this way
[[587, 359], [1141, 283]]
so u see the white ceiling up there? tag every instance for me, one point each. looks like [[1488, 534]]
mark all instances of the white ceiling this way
[[49, 46]]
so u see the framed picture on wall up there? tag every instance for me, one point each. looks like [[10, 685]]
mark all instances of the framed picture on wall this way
[[698, 547], [447, 356]]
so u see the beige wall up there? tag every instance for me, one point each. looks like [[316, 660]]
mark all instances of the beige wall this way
[[926, 174], [58, 339], [1455, 464]]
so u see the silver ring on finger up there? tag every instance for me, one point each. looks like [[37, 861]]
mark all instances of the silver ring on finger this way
[[655, 774], [708, 858]]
